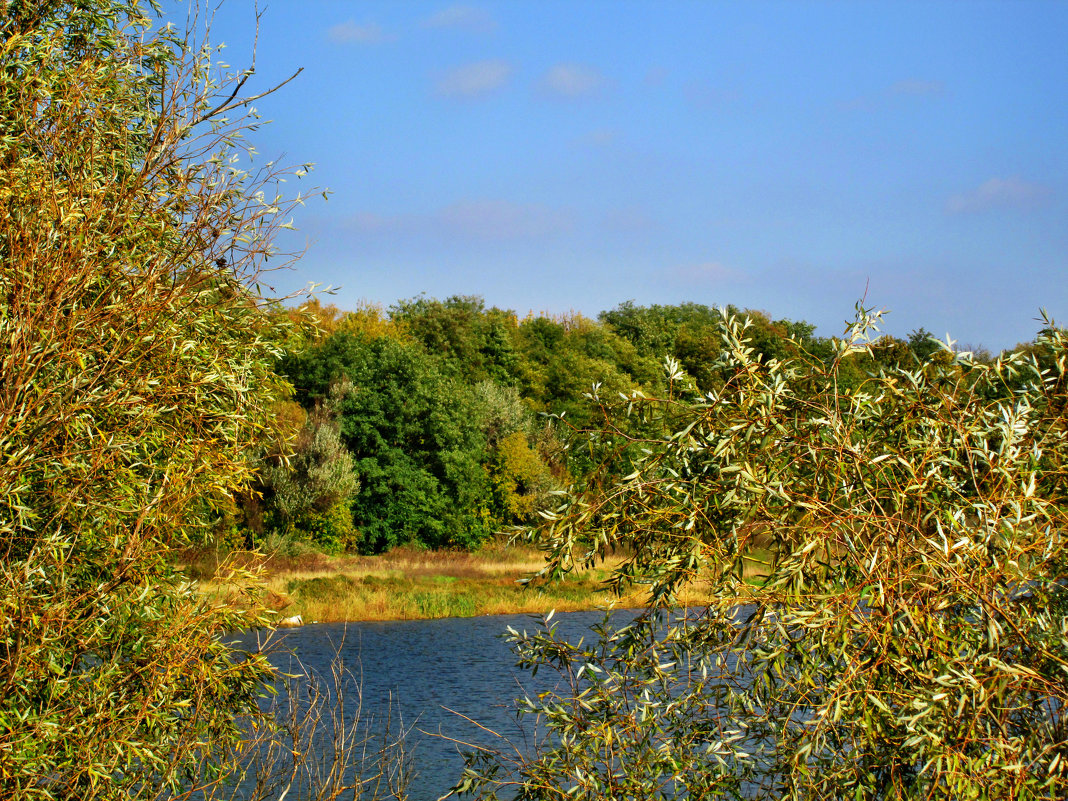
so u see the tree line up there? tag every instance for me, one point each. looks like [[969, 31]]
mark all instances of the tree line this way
[[439, 423]]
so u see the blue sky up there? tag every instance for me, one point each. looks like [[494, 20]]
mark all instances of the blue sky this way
[[788, 156]]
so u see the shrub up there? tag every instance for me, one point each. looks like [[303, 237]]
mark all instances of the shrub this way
[[135, 370], [908, 640]]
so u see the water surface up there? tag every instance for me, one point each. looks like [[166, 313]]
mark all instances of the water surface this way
[[426, 668]]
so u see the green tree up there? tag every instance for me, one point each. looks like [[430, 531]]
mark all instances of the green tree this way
[[472, 341], [923, 343], [519, 469], [653, 329], [309, 491], [564, 358], [884, 575], [690, 332], [415, 437], [135, 368]]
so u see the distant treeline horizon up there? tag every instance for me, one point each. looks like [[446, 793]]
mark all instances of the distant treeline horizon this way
[[439, 423], [940, 331]]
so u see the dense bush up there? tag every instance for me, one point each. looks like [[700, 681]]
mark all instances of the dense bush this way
[[135, 369], [905, 637]]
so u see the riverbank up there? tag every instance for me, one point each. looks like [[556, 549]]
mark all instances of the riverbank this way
[[411, 584]]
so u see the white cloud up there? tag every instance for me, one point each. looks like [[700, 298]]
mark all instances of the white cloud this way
[[629, 220], [859, 103], [703, 94], [1011, 192], [474, 80], [572, 80], [709, 272], [471, 220], [368, 33], [655, 76], [918, 88], [502, 219], [476, 20], [909, 88], [602, 137], [370, 222]]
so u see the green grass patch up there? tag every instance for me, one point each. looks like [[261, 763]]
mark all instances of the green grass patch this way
[[444, 604]]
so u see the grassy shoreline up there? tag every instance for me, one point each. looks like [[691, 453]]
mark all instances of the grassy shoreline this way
[[410, 584]]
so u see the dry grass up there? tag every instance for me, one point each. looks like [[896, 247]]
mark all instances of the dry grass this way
[[412, 584]]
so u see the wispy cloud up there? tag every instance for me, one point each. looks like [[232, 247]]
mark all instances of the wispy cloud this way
[[467, 220], [474, 80], [707, 273], [859, 103], [370, 222], [918, 88], [630, 220], [706, 95], [1004, 193], [602, 137], [909, 88], [469, 18], [502, 219], [655, 76], [572, 81], [350, 31]]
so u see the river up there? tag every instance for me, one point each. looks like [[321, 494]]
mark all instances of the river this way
[[426, 668]]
